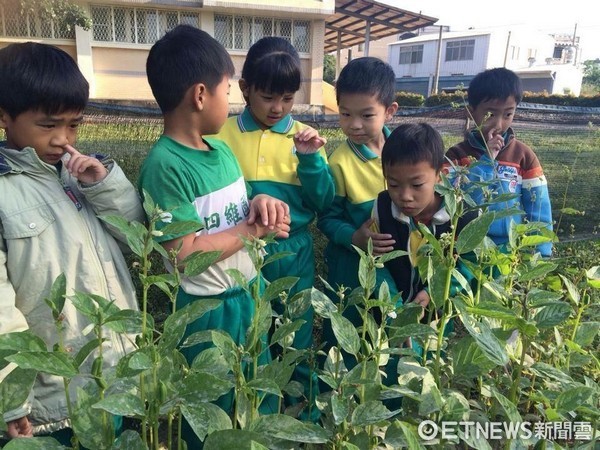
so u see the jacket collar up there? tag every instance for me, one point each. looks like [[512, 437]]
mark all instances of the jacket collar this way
[[246, 123], [476, 140], [17, 161], [363, 152], [440, 217]]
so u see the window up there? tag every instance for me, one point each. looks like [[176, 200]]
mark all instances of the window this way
[[240, 32], [15, 24], [136, 25], [460, 50], [412, 54]]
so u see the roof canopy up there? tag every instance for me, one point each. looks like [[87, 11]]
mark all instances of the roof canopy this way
[[351, 17]]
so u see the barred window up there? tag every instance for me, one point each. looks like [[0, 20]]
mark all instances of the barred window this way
[[460, 50], [15, 24], [136, 25], [240, 32], [413, 54]]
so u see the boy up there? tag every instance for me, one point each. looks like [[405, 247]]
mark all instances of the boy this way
[[493, 97], [365, 94], [51, 196], [199, 179], [412, 159]]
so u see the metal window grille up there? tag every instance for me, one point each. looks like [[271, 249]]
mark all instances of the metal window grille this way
[[136, 25], [15, 24], [240, 32]]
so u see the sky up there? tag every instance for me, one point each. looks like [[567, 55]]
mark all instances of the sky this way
[[550, 16]]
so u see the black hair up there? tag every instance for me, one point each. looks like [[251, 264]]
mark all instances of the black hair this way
[[183, 57], [498, 83], [367, 75], [412, 143], [40, 77], [272, 65]]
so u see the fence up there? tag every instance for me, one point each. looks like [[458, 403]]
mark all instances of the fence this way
[[566, 140]]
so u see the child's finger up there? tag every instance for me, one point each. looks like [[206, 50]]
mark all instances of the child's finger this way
[[71, 150]]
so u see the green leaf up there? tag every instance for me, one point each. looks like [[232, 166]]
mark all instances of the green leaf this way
[[226, 346], [552, 315], [52, 363], [431, 239], [544, 370], [534, 240], [280, 426], [34, 443], [571, 399], [210, 361], [593, 277], [278, 286], [539, 297], [15, 388], [57, 298], [123, 404], [322, 305], [197, 262], [129, 440], [140, 361], [473, 233], [586, 333], [182, 228], [571, 289], [340, 407], [21, 341], [391, 255], [431, 398], [345, 333], [265, 385], [277, 256], [403, 435], [493, 310], [469, 361], [128, 321], [204, 387], [85, 351], [85, 304], [238, 277], [235, 440], [509, 407], [538, 271], [286, 329], [206, 419], [370, 413], [414, 330], [299, 304]]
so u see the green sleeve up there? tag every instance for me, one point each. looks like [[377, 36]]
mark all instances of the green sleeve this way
[[333, 225], [318, 189]]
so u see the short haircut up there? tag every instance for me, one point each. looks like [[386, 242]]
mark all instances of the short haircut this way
[[412, 143], [498, 83], [272, 65], [183, 57], [40, 77], [370, 76]]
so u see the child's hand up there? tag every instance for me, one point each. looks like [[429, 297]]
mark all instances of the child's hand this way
[[19, 428], [308, 141], [86, 169], [282, 231], [495, 142], [422, 298], [269, 211], [382, 243]]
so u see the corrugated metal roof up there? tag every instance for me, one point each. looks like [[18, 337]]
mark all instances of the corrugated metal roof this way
[[351, 16]]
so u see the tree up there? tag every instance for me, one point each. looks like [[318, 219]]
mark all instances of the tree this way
[[329, 68], [64, 13], [591, 73]]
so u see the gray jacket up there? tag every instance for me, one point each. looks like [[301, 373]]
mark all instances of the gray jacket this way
[[49, 226]]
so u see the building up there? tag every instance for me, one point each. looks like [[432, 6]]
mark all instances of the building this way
[[112, 54], [463, 54]]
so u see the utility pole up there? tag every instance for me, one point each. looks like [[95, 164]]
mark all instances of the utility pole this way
[[436, 78], [507, 47], [575, 46]]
